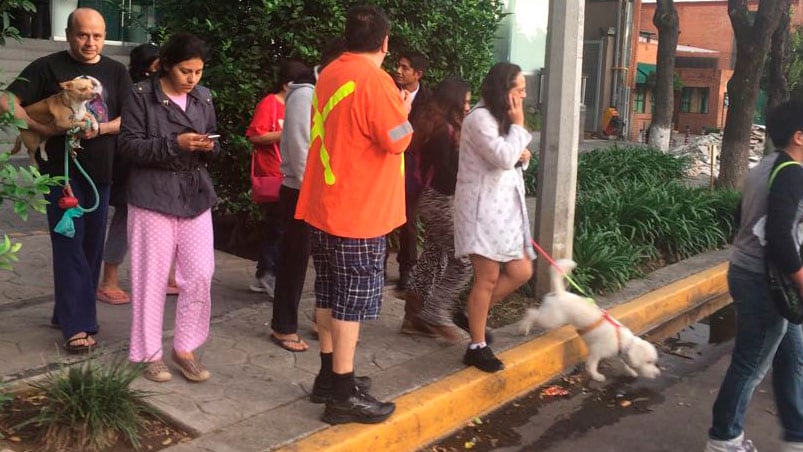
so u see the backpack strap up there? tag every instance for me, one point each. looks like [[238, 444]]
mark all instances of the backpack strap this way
[[778, 170]]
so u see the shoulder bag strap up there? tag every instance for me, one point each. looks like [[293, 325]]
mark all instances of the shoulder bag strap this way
[[778, 170]]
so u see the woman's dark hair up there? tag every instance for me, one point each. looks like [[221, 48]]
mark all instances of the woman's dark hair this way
[[495, 88], [366, 28], [783, 121], [140, 60], [295, 71], [446, 107], [181, 47]]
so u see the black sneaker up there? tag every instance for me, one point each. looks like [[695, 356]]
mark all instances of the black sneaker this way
[[483, 359], [323, 391], [360, 408], [460, 318]]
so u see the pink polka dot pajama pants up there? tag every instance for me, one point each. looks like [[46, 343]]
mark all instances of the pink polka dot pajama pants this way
[[154, 239]]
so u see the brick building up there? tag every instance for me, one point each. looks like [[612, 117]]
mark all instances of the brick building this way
[[705, 59]]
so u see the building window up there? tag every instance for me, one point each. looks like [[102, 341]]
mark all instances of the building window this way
[[640, 99], [685, 100], [694, 100]]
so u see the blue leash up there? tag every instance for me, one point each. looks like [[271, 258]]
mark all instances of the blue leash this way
[[68, 202]]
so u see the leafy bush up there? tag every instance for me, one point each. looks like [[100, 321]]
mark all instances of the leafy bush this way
[[89, 406], [622, 164], [633, 210], [456, 36], [7, 11], [606, 259], [23, 187]]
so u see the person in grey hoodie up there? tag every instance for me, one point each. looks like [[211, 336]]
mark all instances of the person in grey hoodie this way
[[294, 244]]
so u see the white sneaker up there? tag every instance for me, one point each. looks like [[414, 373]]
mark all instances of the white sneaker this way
[[265, 284], [269, 283], [738, 444], [791, 447]]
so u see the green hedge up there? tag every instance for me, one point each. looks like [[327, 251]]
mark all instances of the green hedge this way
[[633, 213], [249, 38]]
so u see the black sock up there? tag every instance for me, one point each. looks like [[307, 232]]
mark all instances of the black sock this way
[[344, 385], [326, 366]]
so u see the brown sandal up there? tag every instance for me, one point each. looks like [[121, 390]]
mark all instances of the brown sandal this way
[[192, 369], [157, 371], [73, 347]]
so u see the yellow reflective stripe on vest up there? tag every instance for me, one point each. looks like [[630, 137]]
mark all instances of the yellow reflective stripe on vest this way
[[317, 130], [398, 133]]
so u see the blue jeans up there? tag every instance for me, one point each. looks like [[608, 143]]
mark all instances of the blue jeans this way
[[763, 337]]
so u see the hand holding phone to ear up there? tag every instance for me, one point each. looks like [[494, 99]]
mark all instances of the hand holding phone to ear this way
[[515, 109]]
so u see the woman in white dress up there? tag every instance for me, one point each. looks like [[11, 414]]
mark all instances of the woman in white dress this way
[[491, 223]]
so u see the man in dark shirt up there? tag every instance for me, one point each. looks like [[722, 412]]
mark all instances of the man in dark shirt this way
[[76, 260], [409, 72]]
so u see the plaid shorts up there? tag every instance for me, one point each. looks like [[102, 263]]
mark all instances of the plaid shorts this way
[[349, 275]]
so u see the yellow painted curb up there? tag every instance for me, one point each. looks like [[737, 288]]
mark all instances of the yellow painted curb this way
[[433, 411]]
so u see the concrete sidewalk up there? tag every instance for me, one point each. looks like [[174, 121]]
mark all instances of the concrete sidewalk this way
[[257, 396]]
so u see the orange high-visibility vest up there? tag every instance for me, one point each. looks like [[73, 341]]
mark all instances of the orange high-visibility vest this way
[[354, 180]]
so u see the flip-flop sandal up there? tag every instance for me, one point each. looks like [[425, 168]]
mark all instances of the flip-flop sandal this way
[[284, 343], [113, 296], [72, 346]]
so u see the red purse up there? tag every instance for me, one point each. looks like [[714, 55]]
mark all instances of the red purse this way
[[264, 188]]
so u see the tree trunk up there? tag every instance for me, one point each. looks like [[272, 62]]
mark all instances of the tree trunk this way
[[778, 89], [666, 20], [752, 44], [777, 84]]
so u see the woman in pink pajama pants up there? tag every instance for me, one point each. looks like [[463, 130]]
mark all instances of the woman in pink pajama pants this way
[[168, 135]]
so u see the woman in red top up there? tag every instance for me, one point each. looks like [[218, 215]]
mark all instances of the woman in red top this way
[[265, 132]]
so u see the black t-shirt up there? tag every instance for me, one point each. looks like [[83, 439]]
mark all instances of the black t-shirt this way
[[41, 79]]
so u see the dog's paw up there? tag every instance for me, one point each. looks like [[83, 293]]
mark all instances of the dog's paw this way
[[598, 377], [528, 321]]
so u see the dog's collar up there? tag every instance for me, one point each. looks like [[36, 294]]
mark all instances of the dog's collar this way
[[605, 317]]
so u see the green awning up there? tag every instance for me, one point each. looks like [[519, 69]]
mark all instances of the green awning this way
[[643, 70]]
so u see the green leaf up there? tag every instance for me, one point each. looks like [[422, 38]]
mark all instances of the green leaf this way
[[5, 246], [21, 209]]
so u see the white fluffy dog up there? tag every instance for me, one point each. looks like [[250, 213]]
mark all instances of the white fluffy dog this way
[[603, 335]]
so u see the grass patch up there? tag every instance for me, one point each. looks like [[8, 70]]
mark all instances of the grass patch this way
[[90, 406]]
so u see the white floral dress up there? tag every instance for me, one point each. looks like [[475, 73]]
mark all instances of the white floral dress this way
[[490, 214]]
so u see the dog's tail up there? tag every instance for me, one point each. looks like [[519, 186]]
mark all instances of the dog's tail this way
[[565, 266]]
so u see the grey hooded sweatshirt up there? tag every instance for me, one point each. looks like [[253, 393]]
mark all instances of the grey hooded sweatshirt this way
[[296, 133]]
